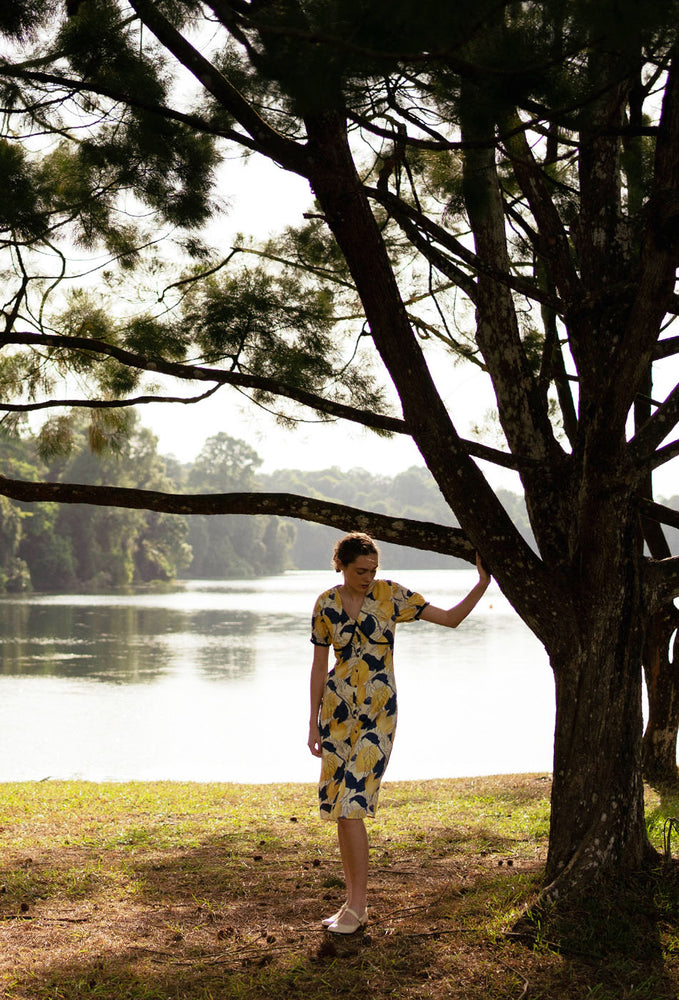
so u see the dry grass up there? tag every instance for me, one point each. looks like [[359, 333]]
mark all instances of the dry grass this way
[[164, 890]]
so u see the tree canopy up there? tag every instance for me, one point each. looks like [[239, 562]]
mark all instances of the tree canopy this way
[[501, 177]]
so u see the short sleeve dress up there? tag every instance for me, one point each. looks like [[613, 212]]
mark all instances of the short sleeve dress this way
[[358, 710]]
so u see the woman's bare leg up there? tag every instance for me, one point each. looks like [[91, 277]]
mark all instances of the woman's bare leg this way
[[353, 843]]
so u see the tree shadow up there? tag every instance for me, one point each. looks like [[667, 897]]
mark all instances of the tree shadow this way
[[618, 934]]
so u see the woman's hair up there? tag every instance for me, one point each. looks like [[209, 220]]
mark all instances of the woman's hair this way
[[349, 548]]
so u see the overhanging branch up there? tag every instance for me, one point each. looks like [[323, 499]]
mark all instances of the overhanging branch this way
[[401, 531], [202, 373], [133, 100], [366, 418]]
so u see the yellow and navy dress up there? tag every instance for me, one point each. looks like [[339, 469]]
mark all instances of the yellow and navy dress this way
[[358, 710]]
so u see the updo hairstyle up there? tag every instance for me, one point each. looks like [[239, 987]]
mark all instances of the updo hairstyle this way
[[349, 548]]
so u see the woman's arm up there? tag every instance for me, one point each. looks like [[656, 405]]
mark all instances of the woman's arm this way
[[319, 673], [453, 616]]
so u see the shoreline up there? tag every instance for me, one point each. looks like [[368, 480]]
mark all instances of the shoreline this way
[[498, 777]]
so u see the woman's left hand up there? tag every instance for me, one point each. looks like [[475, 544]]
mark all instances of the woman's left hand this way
[[484, 574]]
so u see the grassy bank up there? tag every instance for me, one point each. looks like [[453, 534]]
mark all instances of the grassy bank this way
[[215, 892]]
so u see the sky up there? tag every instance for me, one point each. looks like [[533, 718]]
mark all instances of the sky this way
[[263, 199]]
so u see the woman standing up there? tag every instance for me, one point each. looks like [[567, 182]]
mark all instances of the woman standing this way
[[353, 707]]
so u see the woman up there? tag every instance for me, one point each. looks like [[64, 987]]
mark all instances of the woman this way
[[353, 708]]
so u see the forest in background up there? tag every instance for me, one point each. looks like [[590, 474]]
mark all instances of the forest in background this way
[[52, 547]]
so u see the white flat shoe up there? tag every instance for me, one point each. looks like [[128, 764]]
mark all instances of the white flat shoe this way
[[349, 922], [326, 921]]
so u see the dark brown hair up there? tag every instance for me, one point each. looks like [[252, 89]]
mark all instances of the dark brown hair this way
[[349, 548]]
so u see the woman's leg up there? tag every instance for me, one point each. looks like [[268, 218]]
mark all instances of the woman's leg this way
[[353, 843]]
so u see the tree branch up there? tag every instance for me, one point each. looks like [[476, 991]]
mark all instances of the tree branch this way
[[522, 412], [287, 152], [666, 348], [643, 445], [434, 145], [422, 242], [135, 100], [661, 582], [402, 531], [551, 234], [375, 421], [403, 213], [659, 257], [201, 373], [103, 404], [664, 455], [658, 512]]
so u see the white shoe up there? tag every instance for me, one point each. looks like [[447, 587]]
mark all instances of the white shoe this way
[[349, 922]]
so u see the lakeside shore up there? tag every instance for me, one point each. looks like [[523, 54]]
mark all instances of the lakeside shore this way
[[159, 890]]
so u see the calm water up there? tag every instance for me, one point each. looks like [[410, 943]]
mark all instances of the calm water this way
[[211, 684]]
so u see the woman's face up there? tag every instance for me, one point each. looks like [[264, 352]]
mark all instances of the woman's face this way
[[359, 574]]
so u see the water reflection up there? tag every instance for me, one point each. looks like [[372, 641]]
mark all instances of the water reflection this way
[[121, 644]]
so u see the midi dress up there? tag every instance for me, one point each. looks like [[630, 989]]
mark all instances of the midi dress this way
[[358, 710]]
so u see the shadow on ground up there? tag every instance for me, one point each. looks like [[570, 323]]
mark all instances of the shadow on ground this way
[[209, 922]]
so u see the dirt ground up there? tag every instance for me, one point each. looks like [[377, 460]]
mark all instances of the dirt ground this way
[[225, 914]]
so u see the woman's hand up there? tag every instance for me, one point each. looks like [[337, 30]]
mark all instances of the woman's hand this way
[[484, 574], [314, 741]]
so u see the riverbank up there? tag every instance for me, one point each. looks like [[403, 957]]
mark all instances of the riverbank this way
[[171, 891]]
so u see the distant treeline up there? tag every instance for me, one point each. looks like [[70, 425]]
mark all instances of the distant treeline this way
[[53, 547]]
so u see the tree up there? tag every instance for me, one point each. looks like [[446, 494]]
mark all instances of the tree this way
[[523, 189], [63, 548], [231, 546], [14, 575]]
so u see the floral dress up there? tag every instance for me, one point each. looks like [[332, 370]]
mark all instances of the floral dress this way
[[358, 710]]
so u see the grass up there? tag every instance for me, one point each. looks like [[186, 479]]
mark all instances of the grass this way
[[166, 891]]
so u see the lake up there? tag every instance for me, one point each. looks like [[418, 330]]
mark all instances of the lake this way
[[210, 683]]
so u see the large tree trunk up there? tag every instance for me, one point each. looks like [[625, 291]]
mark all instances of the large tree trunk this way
[[661, 668], [597, 794]]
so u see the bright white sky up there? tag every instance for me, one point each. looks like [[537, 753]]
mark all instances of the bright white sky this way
[[263, 199]]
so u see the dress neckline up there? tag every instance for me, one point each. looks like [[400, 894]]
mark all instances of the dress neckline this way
[[353, 618]]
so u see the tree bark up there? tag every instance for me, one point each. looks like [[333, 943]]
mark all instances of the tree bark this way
[[597, 791]]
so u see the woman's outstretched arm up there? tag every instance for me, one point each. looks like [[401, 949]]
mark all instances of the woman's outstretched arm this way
[[453, 616]]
